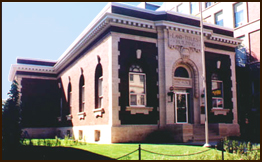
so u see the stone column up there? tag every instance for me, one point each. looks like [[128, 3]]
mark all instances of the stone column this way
[[234, 89], [113, 81], [161, 76]]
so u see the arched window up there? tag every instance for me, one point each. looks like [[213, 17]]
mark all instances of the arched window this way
[[81, 93], [69, 97], [181, 72], [217, 91], [137, 86], [99, 86]]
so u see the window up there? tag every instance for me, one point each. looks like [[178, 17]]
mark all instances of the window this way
[[100, 92], [70, 104], [131, 77], [80, 135], [82, 94], [194, 8], [59, 133], [68, 133], [181, 8], [69, 98], [219, 18], [97, 135], [207, 4], [239, 14], [99, 86], [137, 86], [181, 72], [217, 92], [61, 107]]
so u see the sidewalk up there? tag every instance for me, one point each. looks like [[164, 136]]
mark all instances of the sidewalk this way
[[212, 143]]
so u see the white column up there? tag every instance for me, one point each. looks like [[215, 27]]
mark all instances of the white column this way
[[113, 81], [161, 76], [234, 89]]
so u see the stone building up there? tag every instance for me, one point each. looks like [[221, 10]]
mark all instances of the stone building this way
[[133, 72], [244, 18]]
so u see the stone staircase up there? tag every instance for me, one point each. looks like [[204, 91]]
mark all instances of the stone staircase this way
[[199, 134]]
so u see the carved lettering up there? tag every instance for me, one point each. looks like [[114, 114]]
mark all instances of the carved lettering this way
[[182, 82], [185, 40]]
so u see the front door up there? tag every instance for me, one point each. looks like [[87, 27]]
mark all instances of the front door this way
[[181, 107]]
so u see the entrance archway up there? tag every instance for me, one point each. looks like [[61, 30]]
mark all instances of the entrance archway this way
[[186, 87]]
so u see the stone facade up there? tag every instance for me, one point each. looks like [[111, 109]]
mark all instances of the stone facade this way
[[125, 41]]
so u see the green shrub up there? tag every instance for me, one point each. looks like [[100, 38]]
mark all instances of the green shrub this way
[[239, 150], [57, 141]]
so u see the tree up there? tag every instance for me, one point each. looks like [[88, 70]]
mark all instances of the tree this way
[[11, 119]]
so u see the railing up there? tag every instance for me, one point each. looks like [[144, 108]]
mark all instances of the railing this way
[[200, 152], [139, 153]]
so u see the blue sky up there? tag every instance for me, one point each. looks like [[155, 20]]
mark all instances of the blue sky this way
[[42, 30]]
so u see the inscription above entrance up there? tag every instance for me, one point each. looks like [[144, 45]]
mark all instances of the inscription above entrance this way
[[184, 40], [182, 82]]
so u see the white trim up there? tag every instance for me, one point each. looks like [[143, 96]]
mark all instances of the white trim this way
[[81, 115], [36, 59], [218, 111], [98, 112], [178, 26], [139, 109], [29, 68], [221, 43], [224, 52], [110, 81], [36, 77]]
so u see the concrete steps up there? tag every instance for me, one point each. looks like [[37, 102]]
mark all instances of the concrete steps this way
[[199, 134]]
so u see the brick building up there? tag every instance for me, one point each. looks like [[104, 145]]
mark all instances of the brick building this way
[[132, 72]]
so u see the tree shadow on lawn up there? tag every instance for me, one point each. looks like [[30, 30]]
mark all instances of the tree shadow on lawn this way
[[51, 153]]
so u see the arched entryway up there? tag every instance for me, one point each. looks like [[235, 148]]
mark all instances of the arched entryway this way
[[185, 77]]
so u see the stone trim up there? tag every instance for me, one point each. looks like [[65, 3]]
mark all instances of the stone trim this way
[[207, 34], [98, 112], [59, 119], [29, 68], [81, 115], [139, 109], [218, 111], [69, 117], [194, 70]]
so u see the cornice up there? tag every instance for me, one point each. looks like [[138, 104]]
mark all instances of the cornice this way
[[29, 68], [105, 21], [196, 30], [105, 17]]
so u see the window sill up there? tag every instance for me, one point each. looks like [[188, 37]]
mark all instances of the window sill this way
[[59, 119], [69, 117], [81, 115], [99, 112], [219, 111], [139, 109]]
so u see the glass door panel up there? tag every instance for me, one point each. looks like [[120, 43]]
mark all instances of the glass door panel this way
[[181, 108]]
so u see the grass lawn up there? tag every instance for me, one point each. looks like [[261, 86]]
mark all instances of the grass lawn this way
[[118, 150]]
